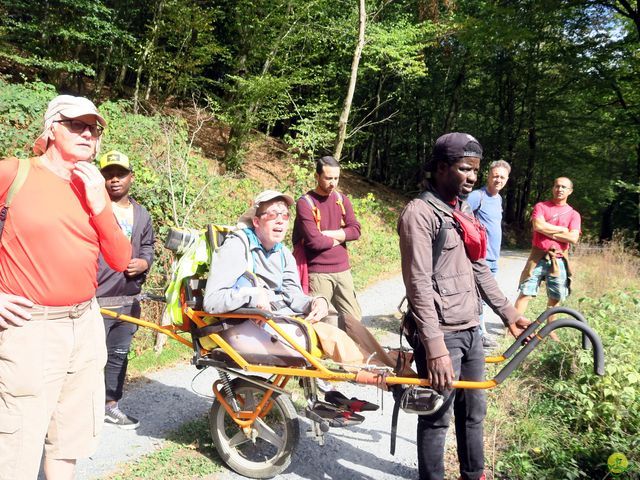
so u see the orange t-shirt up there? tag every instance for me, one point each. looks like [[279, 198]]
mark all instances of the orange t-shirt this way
[[50, 244]]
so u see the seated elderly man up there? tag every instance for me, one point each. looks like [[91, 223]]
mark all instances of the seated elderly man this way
[[264, 225], [258, 249]]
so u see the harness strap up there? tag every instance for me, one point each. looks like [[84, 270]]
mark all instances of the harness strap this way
[[23, 170], [316, 211], [394, 426], [438, 243]]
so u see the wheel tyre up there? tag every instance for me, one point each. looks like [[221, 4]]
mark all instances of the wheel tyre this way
[[277, 434]]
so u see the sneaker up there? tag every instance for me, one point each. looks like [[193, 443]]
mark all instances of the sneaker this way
[[488, 342], [115, 416], [421, 400]]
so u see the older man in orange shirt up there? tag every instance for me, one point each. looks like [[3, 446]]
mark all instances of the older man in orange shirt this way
[[52, 346]]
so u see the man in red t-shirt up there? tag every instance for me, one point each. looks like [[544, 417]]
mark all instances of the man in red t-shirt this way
[[52, 340], [556, 225]]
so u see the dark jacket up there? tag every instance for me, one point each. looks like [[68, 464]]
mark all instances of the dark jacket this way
[[115, 284], [449, 298]]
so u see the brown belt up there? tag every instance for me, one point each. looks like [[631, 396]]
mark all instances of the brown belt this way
[[45, 312]]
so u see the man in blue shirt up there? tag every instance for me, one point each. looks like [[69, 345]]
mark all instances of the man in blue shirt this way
[[486, 204]]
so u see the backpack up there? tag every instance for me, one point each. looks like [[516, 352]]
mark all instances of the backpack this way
[[23, 170], [316, 211], [193, 249]]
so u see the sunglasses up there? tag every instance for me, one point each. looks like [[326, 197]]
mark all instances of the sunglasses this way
[[272, 215], [78, 127]]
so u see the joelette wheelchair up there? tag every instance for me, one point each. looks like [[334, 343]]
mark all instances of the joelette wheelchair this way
[[253, 421]]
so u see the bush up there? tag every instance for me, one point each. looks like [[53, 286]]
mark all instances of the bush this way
[[575, 420], [22, 107]]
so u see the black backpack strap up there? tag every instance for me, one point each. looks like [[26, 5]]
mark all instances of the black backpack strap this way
[[394, 426]]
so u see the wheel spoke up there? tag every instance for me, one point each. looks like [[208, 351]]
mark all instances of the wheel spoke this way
[[267, 434], [238, 439]]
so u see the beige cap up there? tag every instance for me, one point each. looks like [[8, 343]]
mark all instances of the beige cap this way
[[66, 106], [245, 220]]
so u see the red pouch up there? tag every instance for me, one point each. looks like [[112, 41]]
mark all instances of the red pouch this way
[[303, 270], [473, 234]]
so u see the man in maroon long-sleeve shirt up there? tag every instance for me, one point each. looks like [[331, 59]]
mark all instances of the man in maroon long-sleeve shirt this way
[[325, 222]]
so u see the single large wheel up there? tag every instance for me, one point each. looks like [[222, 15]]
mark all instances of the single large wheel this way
[[267, 450]]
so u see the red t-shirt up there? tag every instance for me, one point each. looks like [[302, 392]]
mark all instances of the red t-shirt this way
[[560, 215], [50, 244]]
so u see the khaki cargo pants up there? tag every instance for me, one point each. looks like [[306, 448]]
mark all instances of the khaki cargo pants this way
[[51, 388], [338, 288]]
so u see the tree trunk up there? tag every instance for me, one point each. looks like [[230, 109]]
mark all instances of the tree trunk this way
[[102, 73], [151, 42], [344, 117], [372, 143]]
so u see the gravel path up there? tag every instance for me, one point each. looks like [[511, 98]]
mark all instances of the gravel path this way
[[166, 399]]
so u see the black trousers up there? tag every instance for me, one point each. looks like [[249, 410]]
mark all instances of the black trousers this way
[[119, 336], [468, 406]]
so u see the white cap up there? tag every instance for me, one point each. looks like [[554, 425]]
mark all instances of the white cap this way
[[245, 220], [66, 106]]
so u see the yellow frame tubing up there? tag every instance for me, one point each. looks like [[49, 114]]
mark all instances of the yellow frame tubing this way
[[319, 371], [167, 330]]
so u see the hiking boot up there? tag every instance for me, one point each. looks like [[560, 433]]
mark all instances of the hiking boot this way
[[420, 400], [115, 416], [488, 342]]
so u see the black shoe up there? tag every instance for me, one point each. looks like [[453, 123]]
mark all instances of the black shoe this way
[[115, 416], [421, 400], [336, 417], [353, 404]]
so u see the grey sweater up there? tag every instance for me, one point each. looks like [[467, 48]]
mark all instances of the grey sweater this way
[[276, 271]]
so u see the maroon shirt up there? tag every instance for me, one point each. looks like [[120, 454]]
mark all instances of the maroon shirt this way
[[322, 256]]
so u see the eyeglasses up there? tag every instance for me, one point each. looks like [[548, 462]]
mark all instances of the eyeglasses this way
[[78, 126], [272, 215]]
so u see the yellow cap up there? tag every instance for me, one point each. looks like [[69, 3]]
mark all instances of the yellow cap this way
[[114, 157]]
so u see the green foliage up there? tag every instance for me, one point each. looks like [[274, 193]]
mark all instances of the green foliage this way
[[576, 420], [378, 240], [22, 107], [55, 36], [187, 453], [314, 130]]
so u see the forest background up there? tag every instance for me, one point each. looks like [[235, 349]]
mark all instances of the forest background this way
[[214, 101], [551, 86]]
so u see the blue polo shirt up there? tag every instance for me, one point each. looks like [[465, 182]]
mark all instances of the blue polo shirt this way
[[488, 209]]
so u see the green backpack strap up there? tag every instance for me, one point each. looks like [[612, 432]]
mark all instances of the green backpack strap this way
[[18, 181]]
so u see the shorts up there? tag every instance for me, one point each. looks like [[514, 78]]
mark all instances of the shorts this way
[[557, 286], [51, 388]]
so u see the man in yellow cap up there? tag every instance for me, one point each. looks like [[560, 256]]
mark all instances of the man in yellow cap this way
[[119, 291]]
